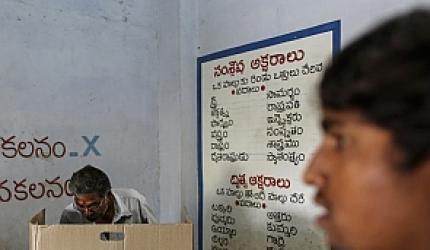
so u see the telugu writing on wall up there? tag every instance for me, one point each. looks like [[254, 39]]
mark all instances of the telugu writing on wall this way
[[258, 128], [43, 148]]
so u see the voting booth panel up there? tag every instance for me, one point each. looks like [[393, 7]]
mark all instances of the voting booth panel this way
[[109, 236]]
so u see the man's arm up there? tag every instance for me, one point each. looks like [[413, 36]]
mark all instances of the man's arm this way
[[145, 210], [147, 213]]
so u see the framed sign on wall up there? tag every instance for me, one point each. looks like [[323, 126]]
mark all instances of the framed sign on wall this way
[[258, 125]]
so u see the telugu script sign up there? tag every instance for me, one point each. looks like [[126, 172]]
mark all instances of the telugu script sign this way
[[258, 126]]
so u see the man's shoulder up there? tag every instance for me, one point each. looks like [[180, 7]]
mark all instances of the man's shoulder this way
[[70, 215], [70, 210], [128, 193], [69, 207], [134, 202]]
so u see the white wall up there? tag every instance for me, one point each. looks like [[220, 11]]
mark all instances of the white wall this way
[[225, 24], [99, 67], [169, 109], [125, 70], [188, 112]]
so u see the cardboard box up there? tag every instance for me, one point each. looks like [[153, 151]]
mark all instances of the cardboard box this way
[[94, 237]]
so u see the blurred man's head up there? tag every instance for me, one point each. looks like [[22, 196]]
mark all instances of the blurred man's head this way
[[91, 187], [373, 169]]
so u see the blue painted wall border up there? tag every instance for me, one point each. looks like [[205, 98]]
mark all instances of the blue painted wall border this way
[[334, 27]]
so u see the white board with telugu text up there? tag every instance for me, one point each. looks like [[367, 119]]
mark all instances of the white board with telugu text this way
[[258, 127]]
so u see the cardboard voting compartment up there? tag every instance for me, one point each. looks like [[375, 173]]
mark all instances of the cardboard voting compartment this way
[[108, 236]]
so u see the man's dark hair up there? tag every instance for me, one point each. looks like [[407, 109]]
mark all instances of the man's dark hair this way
[[89, 180], [385, 76]]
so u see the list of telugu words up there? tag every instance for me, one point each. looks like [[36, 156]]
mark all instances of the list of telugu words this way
[[257, 127]]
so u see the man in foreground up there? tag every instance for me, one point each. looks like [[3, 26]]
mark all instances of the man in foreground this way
[[372, 170], [96, 202]]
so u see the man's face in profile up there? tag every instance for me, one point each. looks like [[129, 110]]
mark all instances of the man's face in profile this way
[[92, 206], [370, 202]]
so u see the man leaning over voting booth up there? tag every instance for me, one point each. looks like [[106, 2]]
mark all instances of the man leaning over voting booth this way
[[101, 217], [94, 201]]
